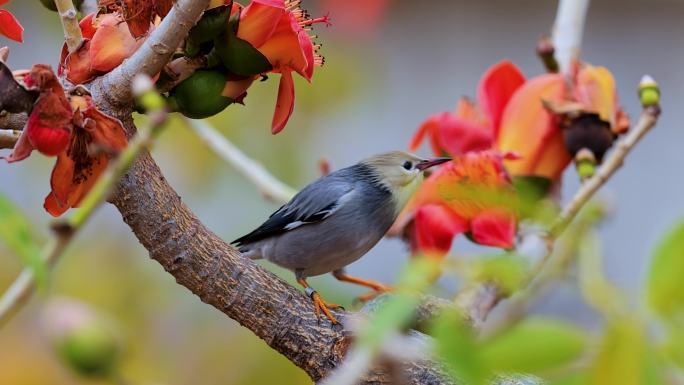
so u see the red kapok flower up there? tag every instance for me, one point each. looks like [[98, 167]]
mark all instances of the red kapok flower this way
[[49, 125], [94, 138], [74, 130], [107, 42], [279, 30], [9, 25], [471, 195]]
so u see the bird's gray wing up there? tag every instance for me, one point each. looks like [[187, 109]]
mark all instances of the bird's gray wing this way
[[313, 204]]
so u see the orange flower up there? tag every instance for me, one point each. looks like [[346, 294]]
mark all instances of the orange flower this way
[[278, 29], [94, 138], [471, 195], [107, 42], [74, 130], [532, 132], [9, 25]]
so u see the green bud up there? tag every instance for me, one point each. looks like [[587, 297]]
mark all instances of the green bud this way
[[90, 350], [199, 96], [585, 163], [649, 92], [82, 339]]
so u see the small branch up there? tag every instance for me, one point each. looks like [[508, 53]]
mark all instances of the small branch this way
[[22, 288], [272, 188], [152, 56], [179, 70], [567, 32], [8, 138], [646, 122], [72, 31]]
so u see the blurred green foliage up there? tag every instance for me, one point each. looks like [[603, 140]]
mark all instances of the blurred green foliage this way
[[15, 233]]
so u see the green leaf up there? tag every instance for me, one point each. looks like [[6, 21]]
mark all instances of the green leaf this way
[[16, 235], [666, 279], [534, 346], [213, 22], [457, 346], [620, 360], [240, 57]]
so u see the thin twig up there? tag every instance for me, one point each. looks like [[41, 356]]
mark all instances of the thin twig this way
[[8, 138], [646, 122], [272, 188], [72, 31], [22, 288], [179, 70], [567, 32]]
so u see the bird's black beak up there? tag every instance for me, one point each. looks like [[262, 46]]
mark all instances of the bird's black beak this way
[[425, 164]]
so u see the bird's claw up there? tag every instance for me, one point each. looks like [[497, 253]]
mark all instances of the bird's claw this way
[[381, 289], [321, 306]]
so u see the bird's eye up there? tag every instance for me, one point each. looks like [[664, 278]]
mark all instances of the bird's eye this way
[[407, 165]]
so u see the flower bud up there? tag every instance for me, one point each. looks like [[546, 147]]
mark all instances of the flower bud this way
[[82, 339], [649, 92]]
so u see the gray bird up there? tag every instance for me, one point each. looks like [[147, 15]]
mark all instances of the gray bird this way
[[336, 219]]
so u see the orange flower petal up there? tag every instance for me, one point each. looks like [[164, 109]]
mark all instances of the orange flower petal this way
[[496, 89], [595, 90], [259, 20], [61, 182], [111, 43], [527, 128], [435, 227], [78, 67], [106, 131], [283, 48], [285, 103]]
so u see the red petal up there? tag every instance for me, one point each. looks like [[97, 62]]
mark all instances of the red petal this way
[[285, 103], [87, 28], [10, 27], [428, 128], [49, 125], [3, 2], [459, 136], [494, 228], [22, 149], [435, 228], [496, 88]]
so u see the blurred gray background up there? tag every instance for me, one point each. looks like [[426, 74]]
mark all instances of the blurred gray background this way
[[377, 86]]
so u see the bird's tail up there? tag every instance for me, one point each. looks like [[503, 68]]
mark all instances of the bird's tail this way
[[250, 252]]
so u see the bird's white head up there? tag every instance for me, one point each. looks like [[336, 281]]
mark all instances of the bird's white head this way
[[401, 172]]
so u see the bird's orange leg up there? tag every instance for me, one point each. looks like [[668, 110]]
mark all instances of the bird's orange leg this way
[[377, 287], [319, 303]]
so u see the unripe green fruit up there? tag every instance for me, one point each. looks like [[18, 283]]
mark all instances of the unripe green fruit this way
[[50, 4], [90, 350], [199, 96]]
